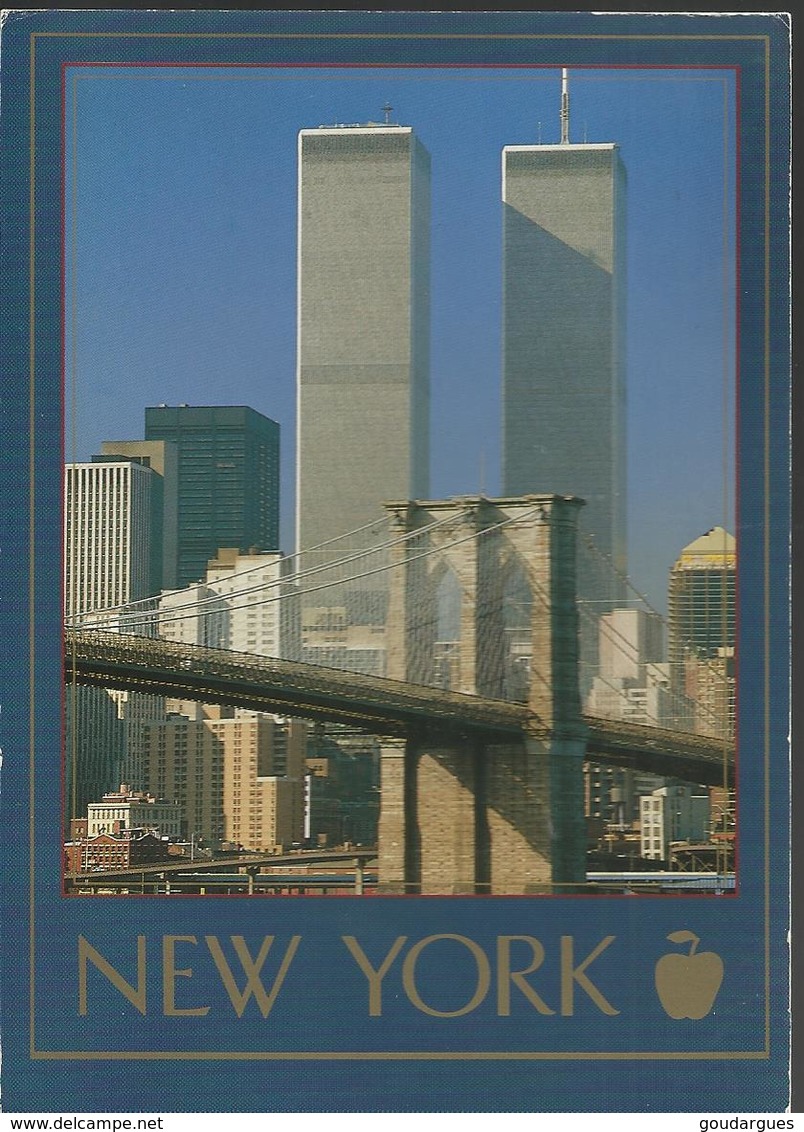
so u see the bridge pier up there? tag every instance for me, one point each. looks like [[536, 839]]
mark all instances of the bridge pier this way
[[568, 823], [474, 818], [397, 817], [447, 809], [519, 820]]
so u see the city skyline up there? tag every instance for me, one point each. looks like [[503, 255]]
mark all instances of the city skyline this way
[[189, 218]]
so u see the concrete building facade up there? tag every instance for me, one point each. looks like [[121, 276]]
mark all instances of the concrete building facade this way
[[630, 640], [162, 457], [258, 610], [113, 514], [672, 813], [363, 326], [237, 775], [127, 809], [631, 685], [241, 604], [631, 681], [563, 331], [191, 616], [109, 510]]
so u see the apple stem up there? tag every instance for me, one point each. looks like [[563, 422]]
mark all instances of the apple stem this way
[[694, 944]]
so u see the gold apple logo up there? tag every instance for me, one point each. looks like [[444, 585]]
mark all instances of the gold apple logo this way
[[687, 985]]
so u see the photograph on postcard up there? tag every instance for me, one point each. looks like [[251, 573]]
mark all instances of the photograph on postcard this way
[[400, 437], [399, 495]]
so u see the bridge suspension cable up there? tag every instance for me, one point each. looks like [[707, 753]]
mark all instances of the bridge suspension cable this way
[[337, 631], [182, 612], [287, 580]]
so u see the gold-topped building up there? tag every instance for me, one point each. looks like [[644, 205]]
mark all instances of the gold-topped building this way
[[701, 627]]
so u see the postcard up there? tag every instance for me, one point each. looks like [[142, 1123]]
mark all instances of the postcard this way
[[396, 562]]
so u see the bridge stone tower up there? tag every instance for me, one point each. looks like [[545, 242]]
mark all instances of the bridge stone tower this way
[[462, 814]]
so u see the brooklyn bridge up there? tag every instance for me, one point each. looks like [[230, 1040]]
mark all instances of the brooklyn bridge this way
[[482, 738]]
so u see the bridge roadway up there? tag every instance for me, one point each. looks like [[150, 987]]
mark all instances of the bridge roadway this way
[[369, 703], [249, 862]]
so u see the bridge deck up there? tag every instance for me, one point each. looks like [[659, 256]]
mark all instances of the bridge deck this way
[[370, 703]]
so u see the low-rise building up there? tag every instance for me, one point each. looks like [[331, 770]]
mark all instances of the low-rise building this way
[[127, 849], [672, 814], [126, 809]]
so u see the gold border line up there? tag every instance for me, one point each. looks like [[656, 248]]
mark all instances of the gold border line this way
[[255, 73], [32, 535], [401, 1055], [392, 35], [404, 1055], [766, 548]]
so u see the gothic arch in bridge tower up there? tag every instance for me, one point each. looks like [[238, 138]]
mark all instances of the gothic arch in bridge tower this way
[[447, 594], [516, 601]]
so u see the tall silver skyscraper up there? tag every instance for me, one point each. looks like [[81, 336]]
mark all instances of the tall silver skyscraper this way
[[563, 328], [363, 325]]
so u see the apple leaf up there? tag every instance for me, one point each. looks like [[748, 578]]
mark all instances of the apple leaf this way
[[683, 937]]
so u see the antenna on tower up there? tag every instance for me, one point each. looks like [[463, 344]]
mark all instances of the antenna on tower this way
[[564, 106], [387, 111], [539, 132]]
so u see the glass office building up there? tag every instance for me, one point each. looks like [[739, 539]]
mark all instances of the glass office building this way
[[228, 481]]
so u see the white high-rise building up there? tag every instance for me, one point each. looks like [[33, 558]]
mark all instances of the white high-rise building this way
[[162, 456], [108, 507], [191, 616], [631, 682], [111, 509], [242, 605], [255, 603], [672, 813]]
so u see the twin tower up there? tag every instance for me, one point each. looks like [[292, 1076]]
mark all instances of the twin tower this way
[[364, 333]]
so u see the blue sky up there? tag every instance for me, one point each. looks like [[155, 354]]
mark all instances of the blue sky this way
[[180, 241]]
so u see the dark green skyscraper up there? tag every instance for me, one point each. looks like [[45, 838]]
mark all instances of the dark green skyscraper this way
[[228, 480]]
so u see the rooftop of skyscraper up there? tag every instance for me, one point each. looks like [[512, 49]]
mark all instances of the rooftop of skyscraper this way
[[716, 544], [387, 110]]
